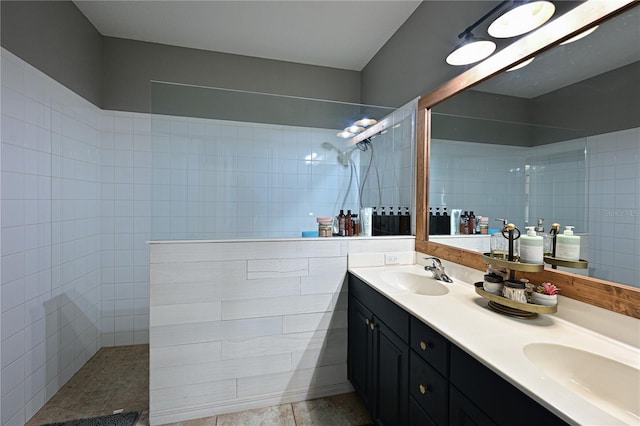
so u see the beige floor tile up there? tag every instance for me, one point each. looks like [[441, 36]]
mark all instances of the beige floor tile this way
[[279, 415], [339, 410]]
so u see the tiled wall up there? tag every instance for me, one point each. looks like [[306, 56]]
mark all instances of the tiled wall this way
[[126, 226], [50, 237], [215, 179], [218, 179], [614, 206], [388, 166], [488, 179], [241, 325]]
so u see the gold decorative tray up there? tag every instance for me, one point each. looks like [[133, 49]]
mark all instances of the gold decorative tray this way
[[580, 264], [515, 266], [512, 308]]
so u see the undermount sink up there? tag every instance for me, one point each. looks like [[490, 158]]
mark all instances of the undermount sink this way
[[414, 283], [605, 382]]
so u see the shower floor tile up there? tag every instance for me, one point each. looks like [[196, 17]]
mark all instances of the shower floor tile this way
[[118, 379]]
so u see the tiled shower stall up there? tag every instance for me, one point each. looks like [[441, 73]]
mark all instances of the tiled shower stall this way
[[77, 203]]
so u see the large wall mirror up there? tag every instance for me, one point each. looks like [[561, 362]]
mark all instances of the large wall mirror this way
[[557, 140]]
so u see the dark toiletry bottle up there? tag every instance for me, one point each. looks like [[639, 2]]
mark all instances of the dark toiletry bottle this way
[[445, 222], [341, 223], [348, 225], [463, 223], [356, 225], [394, 223], [471, 223], [405, 222], [432, 222]]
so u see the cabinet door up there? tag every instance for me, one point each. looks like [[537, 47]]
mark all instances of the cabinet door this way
[[417, 416], [484, 387], [429, 389], [463, 412], [391, 370], [360, 350]]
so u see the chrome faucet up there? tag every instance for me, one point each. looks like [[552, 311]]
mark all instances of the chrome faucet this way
[[437, 269]]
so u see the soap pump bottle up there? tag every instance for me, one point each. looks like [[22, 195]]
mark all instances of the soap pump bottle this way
[[568, 245], [531, 247]]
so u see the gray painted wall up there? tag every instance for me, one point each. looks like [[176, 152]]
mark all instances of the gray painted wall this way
[[129, 66], [115, 73], [56, 38], [405, 68]]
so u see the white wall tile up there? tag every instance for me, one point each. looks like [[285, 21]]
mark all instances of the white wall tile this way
[[166, 400], [253, 308], [185, 313], [183, 375], [291, 381], [315, 321], [171, 335]]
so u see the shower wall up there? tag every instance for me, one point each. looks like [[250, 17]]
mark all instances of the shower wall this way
[[274, 170], [219, 179], [388, 170]]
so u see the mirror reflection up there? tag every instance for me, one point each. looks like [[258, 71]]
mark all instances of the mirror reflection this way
[[557, 140]]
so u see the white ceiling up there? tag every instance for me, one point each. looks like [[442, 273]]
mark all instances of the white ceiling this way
[[338, 34]]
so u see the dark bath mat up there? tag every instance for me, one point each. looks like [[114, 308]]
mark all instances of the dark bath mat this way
[[122, 419]]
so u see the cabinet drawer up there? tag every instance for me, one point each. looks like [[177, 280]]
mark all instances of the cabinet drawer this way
[[396, 318], [430, 345], [429, 388]]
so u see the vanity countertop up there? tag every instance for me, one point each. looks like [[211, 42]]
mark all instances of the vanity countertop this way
[[497, 341]]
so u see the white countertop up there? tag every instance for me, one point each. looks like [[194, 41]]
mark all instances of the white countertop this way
[[497, 341]]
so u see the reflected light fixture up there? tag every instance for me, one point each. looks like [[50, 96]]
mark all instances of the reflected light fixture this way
[[521, 19], [521, 65], [354, 129], [472, 49], [579, 36], [366, 122], [344, 134]]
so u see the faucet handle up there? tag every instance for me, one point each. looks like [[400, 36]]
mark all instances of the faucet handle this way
[[436, 262]]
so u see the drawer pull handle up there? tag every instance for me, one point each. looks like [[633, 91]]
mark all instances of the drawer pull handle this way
[[366, 321], [372, 325], [423, 345], [422, 389]]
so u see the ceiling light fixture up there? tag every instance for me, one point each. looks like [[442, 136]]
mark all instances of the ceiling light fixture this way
[[521, 19], [521, 64], [581, 35], [472, 49]]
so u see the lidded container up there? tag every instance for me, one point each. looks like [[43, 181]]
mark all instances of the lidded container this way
[[515, 290], [325, 226], [568, 245], [493, 283], [531, 247]]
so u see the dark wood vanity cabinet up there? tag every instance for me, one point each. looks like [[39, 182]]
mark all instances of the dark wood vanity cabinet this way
[[408, 374], [378, 365]]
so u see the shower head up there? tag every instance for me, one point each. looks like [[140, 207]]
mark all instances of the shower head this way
[[328, 147], [344, 157]]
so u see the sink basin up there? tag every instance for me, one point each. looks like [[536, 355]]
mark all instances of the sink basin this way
[[609, 384], [414, 283]]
